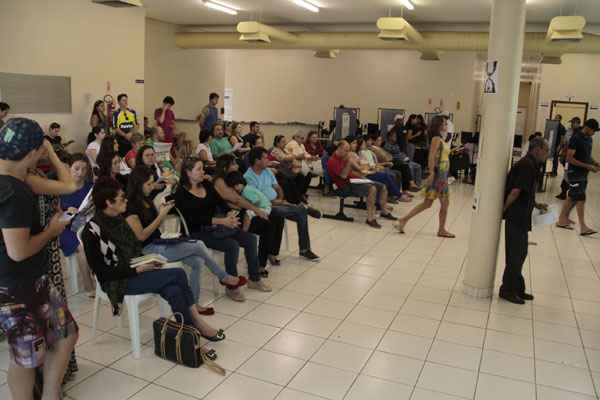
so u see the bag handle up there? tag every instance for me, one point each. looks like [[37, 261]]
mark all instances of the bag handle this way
[[163, 334]]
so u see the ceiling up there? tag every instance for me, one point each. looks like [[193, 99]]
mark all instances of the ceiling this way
[[193, 13]]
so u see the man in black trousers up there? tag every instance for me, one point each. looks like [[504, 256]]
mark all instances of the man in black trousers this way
[[519, 202]]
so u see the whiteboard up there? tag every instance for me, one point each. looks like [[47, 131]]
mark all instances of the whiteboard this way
[[36, 94]]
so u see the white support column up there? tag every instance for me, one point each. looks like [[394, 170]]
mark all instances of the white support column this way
[[507, 33]]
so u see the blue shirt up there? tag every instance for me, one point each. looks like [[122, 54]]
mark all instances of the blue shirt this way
[[264, 182], [68, 240], [211, 116]]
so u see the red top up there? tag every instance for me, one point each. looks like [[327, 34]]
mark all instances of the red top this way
[[130, 155], [314, 150], [335, 165], [168, 123]]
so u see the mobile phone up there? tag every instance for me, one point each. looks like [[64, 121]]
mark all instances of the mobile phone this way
[[67, 216], [169, 198]]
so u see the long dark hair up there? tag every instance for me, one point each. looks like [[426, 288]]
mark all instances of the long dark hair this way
[[435, 127], [277, 139], [139, 157], [80, 157], [105, 156], [223, 163], [135, 186], [188, 164], [95, 112]]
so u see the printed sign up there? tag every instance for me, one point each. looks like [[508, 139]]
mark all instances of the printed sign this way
[[491, 81]]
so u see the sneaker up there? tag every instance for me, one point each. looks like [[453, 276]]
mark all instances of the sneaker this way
[[236, 295], [261, 286], [511, 297], [313, 212], [388, 216], [309, 255]]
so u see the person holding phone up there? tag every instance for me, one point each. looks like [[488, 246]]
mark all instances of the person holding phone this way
[[144, 220], [198, 201]]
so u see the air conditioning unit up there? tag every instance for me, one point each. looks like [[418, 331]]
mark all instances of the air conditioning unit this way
[[566, 29], [392, 28], [255, 37], [554, 60], [329, 54], [119, 3]]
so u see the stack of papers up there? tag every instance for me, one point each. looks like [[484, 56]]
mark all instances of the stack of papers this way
[[148, 258]]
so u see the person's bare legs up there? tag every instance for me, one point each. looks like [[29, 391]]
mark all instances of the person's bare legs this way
[[371, 200], [20, 382], [415, 211], [580, 207], [563, 219], [55, 366], [444, 205], [383, 199]]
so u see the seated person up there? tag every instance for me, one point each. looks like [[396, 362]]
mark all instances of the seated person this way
[[108, 238], [376, 173], [69, 244], [279, 154], [109, 162], [219, 144], [293, 192], [144, 221], [411, 171], [236, 181], [259, 176], [155, 135], [343, 166], [93, 147], [197, 201], [240, 148], [136, 141], [203, 151], [251, 137], [53, 136], [298, 150], [315, 149]]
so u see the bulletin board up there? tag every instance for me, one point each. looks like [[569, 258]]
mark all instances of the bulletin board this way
[[386, 117], [346, 122]]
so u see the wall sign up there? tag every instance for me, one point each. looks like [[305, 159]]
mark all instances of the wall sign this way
[[491, 81]]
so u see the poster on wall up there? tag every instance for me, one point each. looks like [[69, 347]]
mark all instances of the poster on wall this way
[[227, 104], [491, 80]]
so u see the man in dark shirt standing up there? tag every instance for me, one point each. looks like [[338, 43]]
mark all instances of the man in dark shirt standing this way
[[580, 163], [519, 202], [560, 135]]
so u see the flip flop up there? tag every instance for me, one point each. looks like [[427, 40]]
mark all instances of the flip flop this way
[[446, 235], [400, 229], [567, 227], [589, 233]]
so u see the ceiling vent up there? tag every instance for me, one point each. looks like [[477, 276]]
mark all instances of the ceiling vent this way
[[120, 3], [568, 29], [329, 54], [255, 37], [252, 31], [391, 28], [555, 60]]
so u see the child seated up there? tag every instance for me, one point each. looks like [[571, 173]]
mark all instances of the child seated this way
[[236, 181]]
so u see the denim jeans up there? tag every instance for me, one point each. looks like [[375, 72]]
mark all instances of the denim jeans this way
[[193, 254], [300, 216], [170, 284], [388, 180], [231, 247], [417, 172]]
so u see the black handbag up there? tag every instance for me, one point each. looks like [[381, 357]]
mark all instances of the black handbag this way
[[180, 343]]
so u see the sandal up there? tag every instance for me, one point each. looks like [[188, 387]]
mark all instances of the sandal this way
[[589, 233], [446, 235], [567, 227], [216, 338]]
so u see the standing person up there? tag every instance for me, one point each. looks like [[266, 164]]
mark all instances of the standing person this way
[[4, 108], [580, 163], [98, 116], [165, 118], [219, 144], [560, 136], [33, 312], [564, 185], [519, 202], [125, 123], [259, 176], [250, 137], [437, 181], [209, 114]]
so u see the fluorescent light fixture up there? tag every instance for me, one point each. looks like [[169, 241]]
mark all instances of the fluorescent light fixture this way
[[220, 6], [308, 5], [407, 4]]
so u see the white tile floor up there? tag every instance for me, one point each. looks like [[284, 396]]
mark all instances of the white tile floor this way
[[382, 316]]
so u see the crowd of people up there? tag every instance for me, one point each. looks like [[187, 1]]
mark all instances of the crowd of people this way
[[231, 193]]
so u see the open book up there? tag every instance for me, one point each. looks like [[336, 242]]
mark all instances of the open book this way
[[148, 258], [359, 181]]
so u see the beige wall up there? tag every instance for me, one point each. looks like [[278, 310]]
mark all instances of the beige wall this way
[[90, 43], [292, 85], [576, 77], [186, 75]]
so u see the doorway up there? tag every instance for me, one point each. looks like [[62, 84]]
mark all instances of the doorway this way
[[569, 110]]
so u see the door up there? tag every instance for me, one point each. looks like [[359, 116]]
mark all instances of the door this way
[[569, 110]]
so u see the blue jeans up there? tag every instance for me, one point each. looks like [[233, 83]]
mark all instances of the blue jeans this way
[[193, 253], [388, 180], [416, 171], [170, 284]]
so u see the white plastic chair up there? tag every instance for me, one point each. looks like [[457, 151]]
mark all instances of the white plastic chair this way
[[133, 311], [73, 267]]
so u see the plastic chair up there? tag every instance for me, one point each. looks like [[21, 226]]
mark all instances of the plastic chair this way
[[133, 311], [73, 267]]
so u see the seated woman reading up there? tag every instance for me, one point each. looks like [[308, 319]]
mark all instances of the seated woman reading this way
[[110, 245], [144, 221]]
